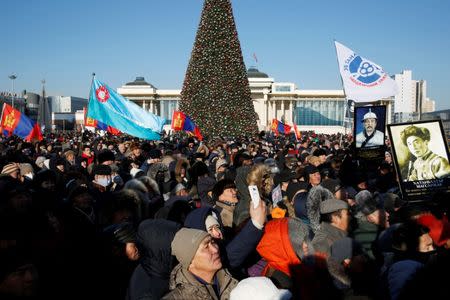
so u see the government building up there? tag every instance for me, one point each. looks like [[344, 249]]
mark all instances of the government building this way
[[319, 110]]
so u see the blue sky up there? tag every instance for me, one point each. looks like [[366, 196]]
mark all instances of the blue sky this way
[[65, 41]]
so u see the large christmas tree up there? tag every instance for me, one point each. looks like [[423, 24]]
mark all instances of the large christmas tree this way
[[216, 93]]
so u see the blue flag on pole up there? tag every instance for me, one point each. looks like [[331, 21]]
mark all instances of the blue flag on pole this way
[[111, 108]]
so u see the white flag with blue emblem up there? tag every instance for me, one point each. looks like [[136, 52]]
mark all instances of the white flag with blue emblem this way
[[363, 79]]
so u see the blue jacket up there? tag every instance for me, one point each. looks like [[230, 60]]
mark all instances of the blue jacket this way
[[235, 251]]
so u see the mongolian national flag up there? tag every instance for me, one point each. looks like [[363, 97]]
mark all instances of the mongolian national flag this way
[[109, 107], [14, 122], [182, 122], [99, 125], [278, 127], [298, 134]]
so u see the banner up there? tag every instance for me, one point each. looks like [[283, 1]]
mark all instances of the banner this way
[[111, 108], [363, 80]]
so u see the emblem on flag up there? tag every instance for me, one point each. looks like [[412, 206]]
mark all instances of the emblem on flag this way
[[102, 94]]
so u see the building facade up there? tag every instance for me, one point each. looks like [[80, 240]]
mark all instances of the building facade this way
[[411, 99], [319, 110]]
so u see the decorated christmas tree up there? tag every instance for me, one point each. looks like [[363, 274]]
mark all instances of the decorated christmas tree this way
[[216, 93]]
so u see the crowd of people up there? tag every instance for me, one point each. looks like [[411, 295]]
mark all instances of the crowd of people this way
[[114, 217]]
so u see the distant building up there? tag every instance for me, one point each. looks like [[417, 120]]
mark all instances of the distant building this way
[[66, 104], [411, 99], [443, 115], [318, 110]]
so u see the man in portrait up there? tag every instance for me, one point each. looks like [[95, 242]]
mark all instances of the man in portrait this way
[[369, 136], [427, 165]]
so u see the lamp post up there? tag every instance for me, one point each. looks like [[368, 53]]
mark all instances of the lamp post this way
[[12, 77]]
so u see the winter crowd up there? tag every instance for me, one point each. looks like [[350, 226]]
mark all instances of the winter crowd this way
[[113, 217]]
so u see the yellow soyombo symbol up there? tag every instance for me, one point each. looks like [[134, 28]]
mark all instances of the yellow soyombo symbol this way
[[9, 120]]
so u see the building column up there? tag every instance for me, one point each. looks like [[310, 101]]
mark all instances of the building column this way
[[144, 105], [151, 106], [283, 112]]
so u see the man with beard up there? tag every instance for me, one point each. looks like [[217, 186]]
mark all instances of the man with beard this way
[[370, 136]]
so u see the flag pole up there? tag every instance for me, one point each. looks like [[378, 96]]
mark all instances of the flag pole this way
[[345, 96]]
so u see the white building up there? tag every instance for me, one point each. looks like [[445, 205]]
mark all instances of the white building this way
[[318, 110], [411, 99], [66, 104]]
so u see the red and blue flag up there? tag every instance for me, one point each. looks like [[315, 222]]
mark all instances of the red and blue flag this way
[[278, 127], [15, 122], [182, 122]]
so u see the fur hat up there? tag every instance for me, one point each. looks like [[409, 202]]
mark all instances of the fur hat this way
[[10, 168], [186, 243], [333, 185], [101, 170], [105, 155], [221, 162], [40, 161], [25, 169], [258, 288], [298, 234], [365, 202]]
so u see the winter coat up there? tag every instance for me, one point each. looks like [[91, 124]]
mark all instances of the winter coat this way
[[366, 234], [150, 279], [241, 212], [235, 251], [183, 285], [326, 236]]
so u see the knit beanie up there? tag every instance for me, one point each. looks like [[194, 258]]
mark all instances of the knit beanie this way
[[186, 243], [210, 221], [10, 168], [258, 288]]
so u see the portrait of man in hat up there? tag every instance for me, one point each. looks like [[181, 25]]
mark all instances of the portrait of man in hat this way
[[372, 121], [425, 164]]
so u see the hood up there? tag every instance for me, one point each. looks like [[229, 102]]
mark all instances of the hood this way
[[154, 240], [196, 218], [276, 248]]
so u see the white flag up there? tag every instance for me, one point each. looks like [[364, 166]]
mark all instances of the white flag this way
[[363, 79]]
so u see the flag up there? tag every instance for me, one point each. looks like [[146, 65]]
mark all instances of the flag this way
[[111, 108], [363, 80], [14, 122], [99, 125], [298, 134], [182, 122], [278, 127], [255, 58]]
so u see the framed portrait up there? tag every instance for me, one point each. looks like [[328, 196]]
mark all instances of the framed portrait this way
[[369, 131], [421, 158]]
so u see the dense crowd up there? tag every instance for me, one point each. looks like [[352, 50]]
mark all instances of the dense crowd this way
[[114, 217]]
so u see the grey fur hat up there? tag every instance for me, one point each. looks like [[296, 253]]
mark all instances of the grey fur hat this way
[[299, 232], [316, 195]]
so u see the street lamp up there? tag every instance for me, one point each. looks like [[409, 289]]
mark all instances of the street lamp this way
[[12, 77]]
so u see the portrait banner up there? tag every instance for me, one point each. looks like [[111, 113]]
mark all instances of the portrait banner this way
[[369, 131], [421, 158]]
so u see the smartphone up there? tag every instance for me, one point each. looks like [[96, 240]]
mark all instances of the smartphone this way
[[254, 194]]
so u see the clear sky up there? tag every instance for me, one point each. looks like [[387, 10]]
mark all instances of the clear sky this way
[[64, 41]]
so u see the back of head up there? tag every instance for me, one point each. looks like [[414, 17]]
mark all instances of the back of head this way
[[154, 238]]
